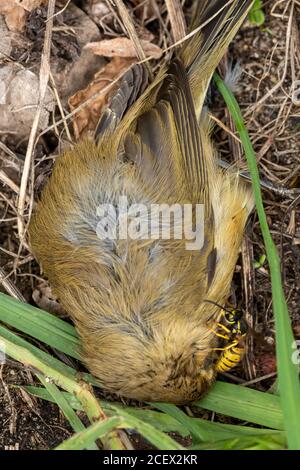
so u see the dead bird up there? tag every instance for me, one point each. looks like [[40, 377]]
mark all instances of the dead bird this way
[[139, 304]]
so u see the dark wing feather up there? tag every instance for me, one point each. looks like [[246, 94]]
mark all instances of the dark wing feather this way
[[169, 132], [131, 87]]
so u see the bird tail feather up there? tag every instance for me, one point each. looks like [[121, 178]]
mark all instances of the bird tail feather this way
[[217, 21]]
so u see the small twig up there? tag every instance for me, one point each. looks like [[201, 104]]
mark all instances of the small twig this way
[[9, 286], [248, 282], [60, 107], [43, 82], [281, 81], [129, 26], [13, 413], [265, 184], [8, 151], [224, 127], [13, 186], [177, 19], [59, 12], [259, 379]]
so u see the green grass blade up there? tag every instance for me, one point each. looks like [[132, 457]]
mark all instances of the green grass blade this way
[[90, 405], [84, 439], [40, 325], [275, 441], [202, 430], [73, 385], [43, 394], [33, 313], [288, 374], [245, 404], [125, 420], [196, 431], [163, 421], [65, 381], [157, 438], [43, 356], [160, 421], [59, 398]]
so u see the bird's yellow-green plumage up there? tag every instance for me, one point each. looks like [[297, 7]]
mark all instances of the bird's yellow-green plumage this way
[[139, 305]]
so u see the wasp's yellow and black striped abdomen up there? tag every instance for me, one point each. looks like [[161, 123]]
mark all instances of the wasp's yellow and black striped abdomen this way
[[231, 357]]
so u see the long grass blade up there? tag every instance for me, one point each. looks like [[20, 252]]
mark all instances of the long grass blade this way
[[61, 401], [40, 325], [288, 373], [84, 439], [245, 404]]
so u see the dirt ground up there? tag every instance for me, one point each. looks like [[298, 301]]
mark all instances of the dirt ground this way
[[269, 60]]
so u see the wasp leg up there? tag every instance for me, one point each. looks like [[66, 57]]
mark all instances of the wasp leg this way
[[222, 327], [230, 346], [219, 334]]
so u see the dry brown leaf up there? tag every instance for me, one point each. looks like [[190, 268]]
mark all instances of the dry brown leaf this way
[[15, 12], [123, 47], [30, 5], [15, 16], [87, 118]]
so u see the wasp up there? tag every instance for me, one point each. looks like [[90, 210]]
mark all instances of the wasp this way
[[233, 329]]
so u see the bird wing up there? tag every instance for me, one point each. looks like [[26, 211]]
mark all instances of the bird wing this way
[[133, 83], [164, 139]]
